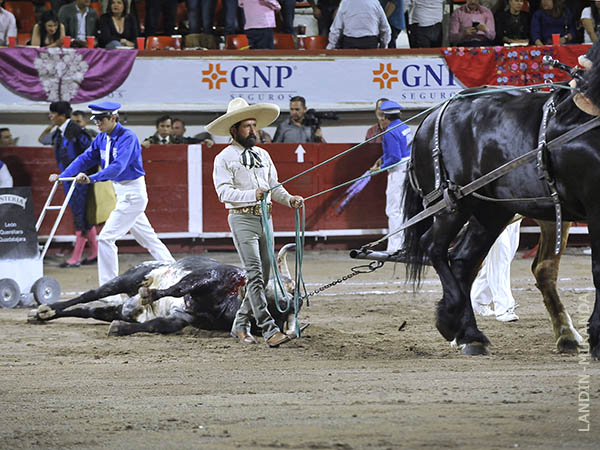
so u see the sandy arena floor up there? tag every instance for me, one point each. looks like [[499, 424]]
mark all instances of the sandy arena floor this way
[[353, 381]]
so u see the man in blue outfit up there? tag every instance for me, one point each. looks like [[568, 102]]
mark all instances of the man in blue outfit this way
[[117, 150], [396, 147], [70, 141]]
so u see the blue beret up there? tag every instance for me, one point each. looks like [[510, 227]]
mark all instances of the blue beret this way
[[390, 107], [104, 108]]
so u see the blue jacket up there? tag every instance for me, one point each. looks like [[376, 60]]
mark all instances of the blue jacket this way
[[125, 160], [396, 143], [543, 26]]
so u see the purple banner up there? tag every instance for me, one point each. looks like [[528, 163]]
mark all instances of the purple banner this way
[[73, 75]]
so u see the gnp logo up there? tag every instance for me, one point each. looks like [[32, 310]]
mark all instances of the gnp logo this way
[[247, 76], [414, 76]]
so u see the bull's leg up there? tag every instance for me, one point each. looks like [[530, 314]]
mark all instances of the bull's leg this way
[[545, 270], [163, 325], [466, 259], [193, 282], [106, 313]]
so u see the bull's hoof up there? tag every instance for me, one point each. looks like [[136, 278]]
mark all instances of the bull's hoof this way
[[475, 349], [45, 312], [567, 345], [145, 295], [116, 328], [32, 317]]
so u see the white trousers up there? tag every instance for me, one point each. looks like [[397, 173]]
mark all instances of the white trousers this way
[[128, 216], [492, 284], [393, 206]]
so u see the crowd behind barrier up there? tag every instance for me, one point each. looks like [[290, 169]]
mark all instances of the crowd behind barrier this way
[[215, 24]]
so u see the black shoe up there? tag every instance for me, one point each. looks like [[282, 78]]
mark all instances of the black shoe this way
[[66, 264], [88, 261]]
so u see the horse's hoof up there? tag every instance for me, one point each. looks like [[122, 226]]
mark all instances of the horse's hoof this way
[[145, 295], [115, 328], [475, 349], [595, 353], [446, 330], [566, 345], [45, 312]]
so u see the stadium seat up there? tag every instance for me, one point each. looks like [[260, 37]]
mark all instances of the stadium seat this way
[[315, 42], [96, 6], [24, 12], [159, 42], [284, 41], [237, 42], [23, 38]]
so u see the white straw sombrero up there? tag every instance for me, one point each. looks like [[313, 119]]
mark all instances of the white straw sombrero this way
[[238, 110]]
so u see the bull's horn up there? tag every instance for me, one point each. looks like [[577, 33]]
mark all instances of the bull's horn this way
[[282, 259]]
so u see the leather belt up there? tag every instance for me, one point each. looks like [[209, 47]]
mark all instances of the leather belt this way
[[254, 210]]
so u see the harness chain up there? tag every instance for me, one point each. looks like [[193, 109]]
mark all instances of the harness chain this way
[[436, 155]]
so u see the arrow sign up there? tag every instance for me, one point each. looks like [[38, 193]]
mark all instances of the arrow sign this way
[[300, 153]]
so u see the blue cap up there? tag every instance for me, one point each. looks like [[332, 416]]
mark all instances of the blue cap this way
[[104, 109], [390, 107]]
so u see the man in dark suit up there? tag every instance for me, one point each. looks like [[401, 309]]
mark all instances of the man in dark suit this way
[[79, 20], [69, 141]]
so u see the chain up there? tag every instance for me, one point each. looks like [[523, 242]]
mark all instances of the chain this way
[[356, 270]]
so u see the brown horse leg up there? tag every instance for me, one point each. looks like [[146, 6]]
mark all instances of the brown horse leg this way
[[545, 270]]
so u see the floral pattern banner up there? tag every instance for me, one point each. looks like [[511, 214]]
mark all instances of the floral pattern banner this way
[[73, 75], [514, 66]]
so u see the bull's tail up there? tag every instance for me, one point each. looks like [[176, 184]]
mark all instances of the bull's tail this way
[[415, 256]]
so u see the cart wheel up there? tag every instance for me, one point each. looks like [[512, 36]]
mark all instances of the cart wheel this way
[[46, 290], [10, 293]]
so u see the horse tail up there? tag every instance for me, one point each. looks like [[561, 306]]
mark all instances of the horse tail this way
[[415, 256]]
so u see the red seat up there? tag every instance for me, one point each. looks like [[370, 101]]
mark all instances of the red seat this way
[[24, 12], [159, 42], [237, 42], [23, 38], [315, 42], [96, 6], [284, 41]]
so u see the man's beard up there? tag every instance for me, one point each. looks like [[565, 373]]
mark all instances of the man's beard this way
[[247, 142]]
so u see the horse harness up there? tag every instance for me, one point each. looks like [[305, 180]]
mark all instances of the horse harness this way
[[446, 193]]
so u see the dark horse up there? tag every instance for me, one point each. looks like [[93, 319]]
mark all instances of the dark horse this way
[[478, 134]]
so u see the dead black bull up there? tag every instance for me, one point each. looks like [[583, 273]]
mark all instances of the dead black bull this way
[[166, 297]]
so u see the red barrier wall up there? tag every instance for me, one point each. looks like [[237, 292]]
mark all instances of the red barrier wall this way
[[167, 180]]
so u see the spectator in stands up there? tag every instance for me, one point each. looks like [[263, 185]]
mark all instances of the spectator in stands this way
[[324, 11], [295, 129], [57, 4], [178, 129], [260, 22], [425, 23], [359, 24], [80, 21], [49, 32], [6, 139], [512, 24], [394, 11], [6, 180], [8, 24], [154, 8], [590, 19], [80, 118], [379, 127], [118, 28], [164, 133], [552, 18], [472, 25], [230, 8], [130, 5], [264, 137], [288, 9]]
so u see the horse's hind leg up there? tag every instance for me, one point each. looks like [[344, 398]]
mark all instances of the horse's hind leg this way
[[163, 325], [545, 270], [106, 313]]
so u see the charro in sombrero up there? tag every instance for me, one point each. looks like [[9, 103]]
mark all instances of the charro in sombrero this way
[[238, 110]]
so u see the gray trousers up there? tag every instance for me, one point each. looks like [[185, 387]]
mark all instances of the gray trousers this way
[[251, 244]]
